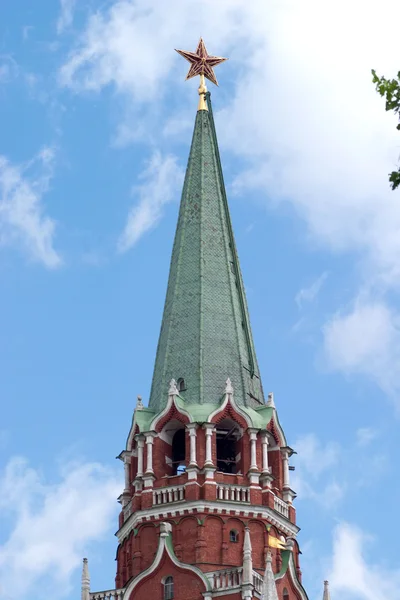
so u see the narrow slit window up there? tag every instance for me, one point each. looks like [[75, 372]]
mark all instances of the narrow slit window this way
[[169, 588], [233, 536]]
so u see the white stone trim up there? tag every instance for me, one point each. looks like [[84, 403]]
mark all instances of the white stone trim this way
[[279, 428], [264, 444], [214, 507], [170, 403], [163, 547], [293, 576], [140, 447], [229, 398], [253, 448], [192, 428], [209, 429], [149, 436]]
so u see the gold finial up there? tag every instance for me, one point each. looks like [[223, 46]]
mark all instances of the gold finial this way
[[201, 63]]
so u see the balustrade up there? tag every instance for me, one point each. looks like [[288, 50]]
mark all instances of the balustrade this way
[[226, 579], [234, 493], [127, 510], [108, 595], [281, 507], [258, 582], [169, 494]]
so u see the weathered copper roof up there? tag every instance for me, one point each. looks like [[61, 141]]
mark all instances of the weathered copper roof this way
[[205, 333]]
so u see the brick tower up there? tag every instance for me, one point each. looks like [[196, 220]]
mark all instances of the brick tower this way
[[207, 509]]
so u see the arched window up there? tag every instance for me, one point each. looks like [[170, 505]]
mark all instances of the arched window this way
[[233, 536], [285, 594], [169, 588], [180, 384], [178, 452]]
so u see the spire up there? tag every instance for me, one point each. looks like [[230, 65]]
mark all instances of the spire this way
[[269, 592], [205, 333], [247, 577], [85, 590], [327, 595]]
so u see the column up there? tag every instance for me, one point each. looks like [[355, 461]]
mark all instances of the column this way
[[140, 446], [192, 436], [253, 453], [127, 474], [209, 428], [264, 442], [149, 449], [285, 460]]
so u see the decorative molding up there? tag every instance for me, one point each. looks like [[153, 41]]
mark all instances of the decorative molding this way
[[171, 404], [293, 576], [165, 546], [229, 399], [212, 507]]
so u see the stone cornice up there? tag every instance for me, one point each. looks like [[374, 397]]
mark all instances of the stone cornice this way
[[180, 509]]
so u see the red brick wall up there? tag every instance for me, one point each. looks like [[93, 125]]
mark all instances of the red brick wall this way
[[148, 540], [186, 584], [275, 462], [161, 449], [188, 527]]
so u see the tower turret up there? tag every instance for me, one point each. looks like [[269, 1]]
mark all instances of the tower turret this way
[[207, 507]]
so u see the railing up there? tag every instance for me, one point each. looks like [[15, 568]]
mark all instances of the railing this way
[[108, 595], [169, 494], [127, 510], [281, 507], [226, 579], [235, 493], [258, 582]]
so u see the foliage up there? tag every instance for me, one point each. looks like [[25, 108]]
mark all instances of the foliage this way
[[390, 88]]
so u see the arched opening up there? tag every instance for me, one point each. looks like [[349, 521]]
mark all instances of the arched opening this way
[[180, 384], [178, 452], [285, 595], [169, 588], [233, 536], [228, 446]]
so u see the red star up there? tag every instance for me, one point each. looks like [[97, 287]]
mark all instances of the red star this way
[[201, 63]]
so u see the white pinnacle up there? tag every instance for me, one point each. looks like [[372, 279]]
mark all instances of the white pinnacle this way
[[247, 577], [173, 390], [85, 590], [269, 591], [228, 387], [327, 595], [270, 401]]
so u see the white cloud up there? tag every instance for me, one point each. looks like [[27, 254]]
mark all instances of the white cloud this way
[[22, 221], [353, 576], [366, 340], [66, 15], [161, 180], [366, 435], [313, 478], [53, 524], [315, 456], [308, 123], [309, 294], [8, 68]]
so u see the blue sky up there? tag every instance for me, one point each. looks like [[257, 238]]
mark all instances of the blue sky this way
[[96, 122]]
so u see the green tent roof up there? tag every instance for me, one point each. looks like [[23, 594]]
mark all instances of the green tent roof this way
[[205, 333]]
